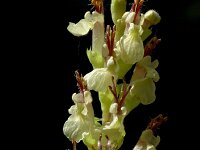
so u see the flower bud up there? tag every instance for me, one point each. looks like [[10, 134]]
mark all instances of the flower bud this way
[[151, 17], [118, 7], [113, 108]]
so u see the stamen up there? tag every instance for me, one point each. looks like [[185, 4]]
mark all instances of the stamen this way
[[156, 122], [136, 7], [108, 143], [80, 82], [133, 8], [125, 93], [137, 11], [99, 143], [119, 99], [110, 39], [113, 38], [98, 5], [151, 45], [114, 90]]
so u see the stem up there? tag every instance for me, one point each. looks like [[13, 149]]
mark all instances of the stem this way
[[74, 145]]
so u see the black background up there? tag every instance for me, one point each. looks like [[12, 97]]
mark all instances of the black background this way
[[42, 58]]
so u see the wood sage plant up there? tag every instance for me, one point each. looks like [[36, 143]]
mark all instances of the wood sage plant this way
[[115, 50]]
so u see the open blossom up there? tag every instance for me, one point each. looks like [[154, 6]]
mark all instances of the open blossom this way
[[92, 21], [147, 141], [143, 83], [113, 131], [99, 79], [130, 46], [81, 119], [146, 68], [85, 25]]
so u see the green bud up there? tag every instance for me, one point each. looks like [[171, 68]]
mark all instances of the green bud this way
[[118, 7], [152, 17]]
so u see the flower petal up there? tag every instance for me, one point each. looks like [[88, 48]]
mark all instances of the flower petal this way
[[79, 29], [147, 141], [99, 79]]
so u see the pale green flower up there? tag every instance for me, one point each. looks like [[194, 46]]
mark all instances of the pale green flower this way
[[146, 69], [151, 17], [143, 84], [81, 119], [85, 25], [143, 80], [147, 141], [91, 140], [92, 21], [143, 91], [99, 79], [130, 47], [115, 128]]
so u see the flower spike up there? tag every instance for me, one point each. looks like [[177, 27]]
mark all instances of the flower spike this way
[[114, 52]]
